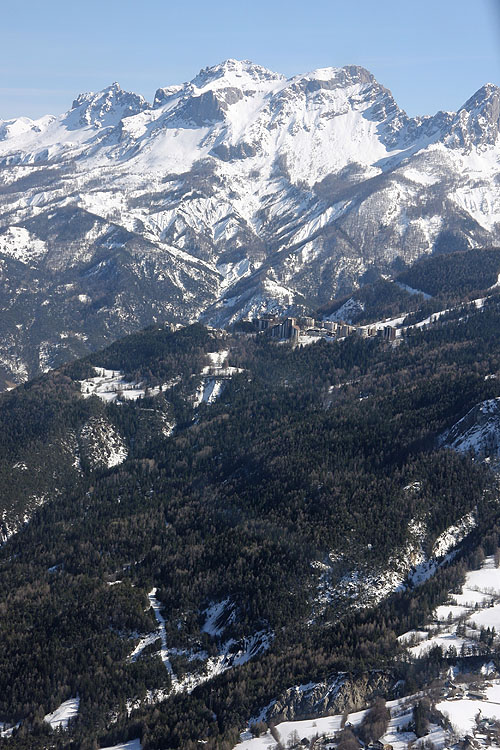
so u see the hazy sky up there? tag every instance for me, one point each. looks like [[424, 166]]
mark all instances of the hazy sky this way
[[432, 54]]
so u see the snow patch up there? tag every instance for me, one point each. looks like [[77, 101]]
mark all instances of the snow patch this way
[[18, 243], [453, 535], [411, 290], [130, 745], [218, 617], [347, 312], [478, 431], [61, 717], [231, 653], [103, 444]]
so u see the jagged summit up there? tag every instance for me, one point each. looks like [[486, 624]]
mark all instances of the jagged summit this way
[[344, 76], [235, 71], [239, 191], [483, 94], [105, 108], [477, 122]]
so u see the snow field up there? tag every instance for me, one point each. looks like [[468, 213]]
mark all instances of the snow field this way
[[401, 715], [476, 601], [62, 715], [462, 713], [306, 728], [110, 385], [131, 745], [213, 376]]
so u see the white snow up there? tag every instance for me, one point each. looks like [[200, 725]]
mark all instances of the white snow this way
[[233, 272], [487, 618], [213, 377], [130, 745], [217, 359], [110, 385], [444, 611], [476, 601], [104, 446], [368, 585], [446, 639], [208, 391], [307, 339], [305, 728], [413, 635], [231, 653], [272, 140], [20, 244], [348, 311], [478, 431], [401, 716], [62, 715], [420, 177], [454, 535], [218, 616], [462, 713], [164, 653], [6, 729], [411, 290]]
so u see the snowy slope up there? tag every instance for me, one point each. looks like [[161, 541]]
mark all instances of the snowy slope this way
[[478, 431], [61, 717], [236, 192], [230, 653], [476, 605]]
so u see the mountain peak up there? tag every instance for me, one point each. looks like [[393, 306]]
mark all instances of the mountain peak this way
[[486, 93], [349, 74], [235, 72], [104, 108], [478, 121]]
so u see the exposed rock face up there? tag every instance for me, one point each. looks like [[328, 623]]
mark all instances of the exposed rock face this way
[[345, 692], [237, 192], [478, 431]]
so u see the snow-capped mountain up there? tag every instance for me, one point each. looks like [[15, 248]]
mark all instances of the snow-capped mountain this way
[[236, 192]]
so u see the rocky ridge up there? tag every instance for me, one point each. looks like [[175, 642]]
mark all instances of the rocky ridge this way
[[237, 192]]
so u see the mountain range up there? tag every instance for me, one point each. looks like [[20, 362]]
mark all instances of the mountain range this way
[[239, 192]]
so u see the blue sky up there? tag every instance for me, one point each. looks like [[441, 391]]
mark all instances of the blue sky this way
[[431, 54]]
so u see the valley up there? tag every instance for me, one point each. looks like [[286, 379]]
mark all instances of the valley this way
[[232, 519]]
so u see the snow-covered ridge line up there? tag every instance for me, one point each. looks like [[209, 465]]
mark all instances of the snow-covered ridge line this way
[[233, 194]]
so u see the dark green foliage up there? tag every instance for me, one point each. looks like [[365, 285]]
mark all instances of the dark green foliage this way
[[421, 714], [451, 279], [308, 451], [374, 724], [382, 299], [456, 274]]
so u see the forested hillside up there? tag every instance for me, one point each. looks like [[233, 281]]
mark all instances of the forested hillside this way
[[433, 283], [270, 516]]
